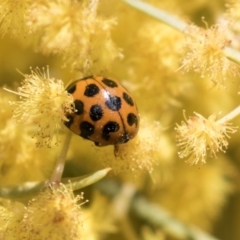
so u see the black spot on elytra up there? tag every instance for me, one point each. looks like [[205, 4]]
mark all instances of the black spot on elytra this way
[[110, 83], [128, 99], [96, 112], [109, 128], [113, 103], [72, 89], [70, 121], [86, 128], [91, 90], [131, 119], [78, 106]]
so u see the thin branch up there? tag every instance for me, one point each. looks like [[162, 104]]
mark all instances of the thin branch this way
[[156, 215], [234, 113], [174, 22], [163, 219], [59, 167], [158, 14], [28, 190]]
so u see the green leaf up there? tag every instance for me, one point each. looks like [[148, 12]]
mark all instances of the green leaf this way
[[86, 180], [26, 190]]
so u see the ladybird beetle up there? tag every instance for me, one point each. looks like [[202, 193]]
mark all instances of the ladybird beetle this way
[[105, 113]]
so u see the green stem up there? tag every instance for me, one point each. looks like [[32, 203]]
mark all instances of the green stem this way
[[58, 171], [232, 53], [234, 113], [25, 191], [158, 14]]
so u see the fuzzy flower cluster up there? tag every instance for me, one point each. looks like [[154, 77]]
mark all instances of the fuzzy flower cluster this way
[[94, 227], [12, 17], [18, 152], [54, 214], [75, 30], [199, 137], [44, 103], [72, 29], [140, 154], [205, 54]]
